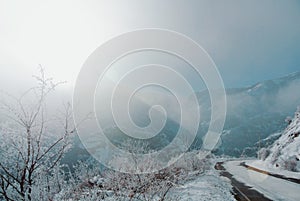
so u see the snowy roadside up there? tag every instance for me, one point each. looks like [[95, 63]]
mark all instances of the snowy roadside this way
[[273, 188], [267, 167], [209, 186]]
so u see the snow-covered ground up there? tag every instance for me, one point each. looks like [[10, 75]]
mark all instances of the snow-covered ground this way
[[206, 187], [264, 166], [271, 187]]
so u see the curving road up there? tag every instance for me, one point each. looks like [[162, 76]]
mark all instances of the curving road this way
[[240, 190], [250, 183]]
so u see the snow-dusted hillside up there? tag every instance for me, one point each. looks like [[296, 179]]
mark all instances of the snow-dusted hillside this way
[[253, 113], [285, 152]]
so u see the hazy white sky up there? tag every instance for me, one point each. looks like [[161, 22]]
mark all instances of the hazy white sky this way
[[57, 34], [249, 40]]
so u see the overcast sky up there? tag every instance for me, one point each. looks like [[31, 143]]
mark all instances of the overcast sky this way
[[249, 41]]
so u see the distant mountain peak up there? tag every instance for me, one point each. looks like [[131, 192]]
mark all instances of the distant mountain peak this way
[[273, 85]]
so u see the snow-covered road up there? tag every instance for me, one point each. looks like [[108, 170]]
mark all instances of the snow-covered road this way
[[274, 188]]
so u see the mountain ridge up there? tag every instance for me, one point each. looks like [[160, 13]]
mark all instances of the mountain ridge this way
[[253, 113]]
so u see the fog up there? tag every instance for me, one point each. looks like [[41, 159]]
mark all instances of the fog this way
[[249, 41]]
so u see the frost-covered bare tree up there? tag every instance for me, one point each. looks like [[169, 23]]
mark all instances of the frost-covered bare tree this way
[[32, 143], [90, 182], [152, 185], [83, 183]]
